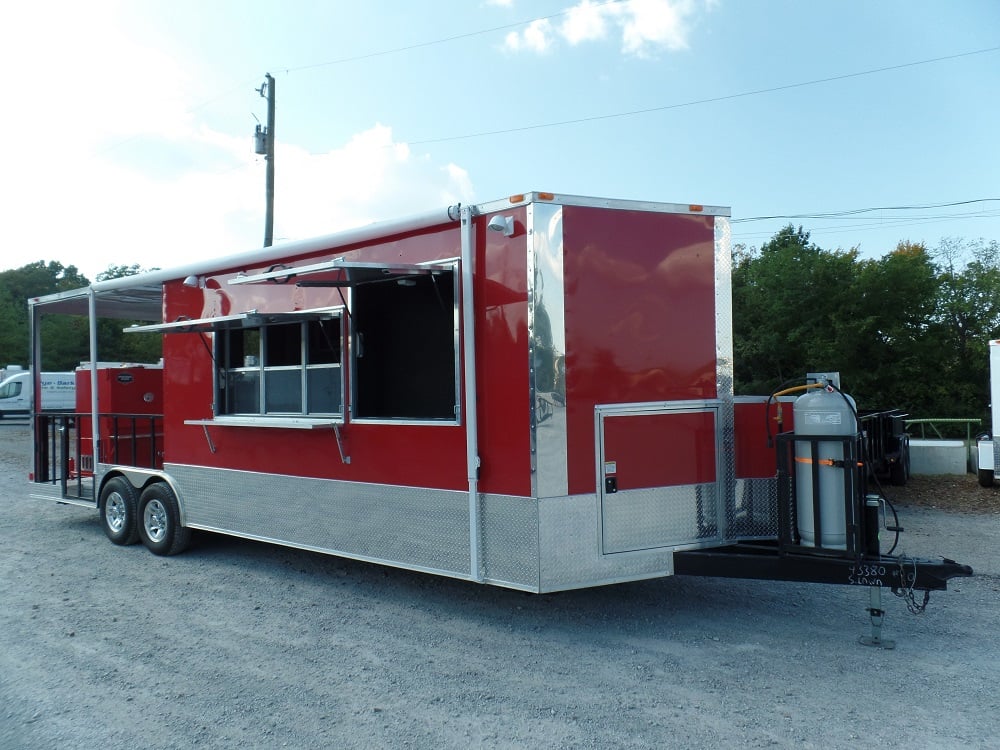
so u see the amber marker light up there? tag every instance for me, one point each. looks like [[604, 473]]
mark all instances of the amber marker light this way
[[694, 207]]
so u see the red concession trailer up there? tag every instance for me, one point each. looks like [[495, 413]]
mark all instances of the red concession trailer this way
[[535, 392]]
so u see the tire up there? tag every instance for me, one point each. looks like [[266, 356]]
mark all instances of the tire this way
[[160, 521], [985, 477], [897, 473], [120, 511]]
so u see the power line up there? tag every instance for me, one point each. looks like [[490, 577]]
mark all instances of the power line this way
[[855, 211], [696, 102], [444, 40], [888, 223]]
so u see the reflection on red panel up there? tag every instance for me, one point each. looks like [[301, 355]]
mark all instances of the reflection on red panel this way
[[755, 459], [640, 317], [501, 292], [661, 450]]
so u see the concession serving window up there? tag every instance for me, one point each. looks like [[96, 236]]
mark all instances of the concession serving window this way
[[403, 329], [273, 364]]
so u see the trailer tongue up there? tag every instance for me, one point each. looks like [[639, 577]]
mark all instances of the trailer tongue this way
[[535, 393]]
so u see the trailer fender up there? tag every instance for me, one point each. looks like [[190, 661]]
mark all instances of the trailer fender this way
[[142, 478]]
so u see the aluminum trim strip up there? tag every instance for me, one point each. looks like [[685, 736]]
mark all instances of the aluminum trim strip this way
[[563, 199], [270, 422], [547, 351], [388, 270], [726, 435], [249, 319]]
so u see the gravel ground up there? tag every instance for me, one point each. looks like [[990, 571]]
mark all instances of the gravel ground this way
[[238, 644]]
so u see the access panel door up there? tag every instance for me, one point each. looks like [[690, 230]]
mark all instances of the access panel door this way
[[658, 475]]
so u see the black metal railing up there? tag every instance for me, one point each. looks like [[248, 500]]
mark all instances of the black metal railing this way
[[65, 453]]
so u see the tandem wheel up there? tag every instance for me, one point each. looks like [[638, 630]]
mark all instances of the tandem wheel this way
[[160, 521], [119, 507]]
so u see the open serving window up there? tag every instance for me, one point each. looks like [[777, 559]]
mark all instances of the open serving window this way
[[273, 364], [404, 340]]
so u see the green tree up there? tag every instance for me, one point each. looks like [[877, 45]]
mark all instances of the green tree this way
[[889, 340], [791, 302], [966, 318], [35, 280]]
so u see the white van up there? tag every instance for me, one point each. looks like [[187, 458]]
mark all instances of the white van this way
[[58, 392]]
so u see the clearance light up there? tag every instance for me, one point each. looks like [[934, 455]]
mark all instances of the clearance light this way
[[516, 198], [694, 208], [546, 196]]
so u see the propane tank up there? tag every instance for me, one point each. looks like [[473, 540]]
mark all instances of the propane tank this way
[[822, 412]]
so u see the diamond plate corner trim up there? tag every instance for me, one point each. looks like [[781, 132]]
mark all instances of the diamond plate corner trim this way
[[510, 541]]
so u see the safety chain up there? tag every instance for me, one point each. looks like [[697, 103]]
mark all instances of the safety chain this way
[[905, 592]]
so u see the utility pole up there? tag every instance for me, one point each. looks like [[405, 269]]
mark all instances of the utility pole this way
[[264, 144]]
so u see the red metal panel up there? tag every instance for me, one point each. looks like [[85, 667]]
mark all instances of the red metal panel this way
[[755, 459], [640, 317], [661, 450], [122, 391], [501, 292]]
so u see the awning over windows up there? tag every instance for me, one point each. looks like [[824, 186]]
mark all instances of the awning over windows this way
[[249, 319], [341, 273]]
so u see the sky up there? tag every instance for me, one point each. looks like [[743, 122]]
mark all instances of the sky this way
[[128, 125]]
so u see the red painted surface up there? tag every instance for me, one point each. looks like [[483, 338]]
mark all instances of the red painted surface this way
[[122, 392], [661, 450], [501, 296], [755, 459], [640, 317]]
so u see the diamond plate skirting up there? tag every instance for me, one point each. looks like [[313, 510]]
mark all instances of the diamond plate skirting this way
[[754, 514], [413, 528], [535, 545]]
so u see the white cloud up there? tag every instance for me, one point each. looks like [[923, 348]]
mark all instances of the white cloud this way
[[584, 22], [651, 24], [100, 212], [645, 26], [371, 178], [113, 167], [537, 37]]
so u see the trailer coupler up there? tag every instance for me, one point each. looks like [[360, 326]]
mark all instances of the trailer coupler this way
[[764, 561]]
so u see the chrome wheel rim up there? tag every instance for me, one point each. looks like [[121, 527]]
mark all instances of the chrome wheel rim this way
[[115, 512], [154, 520]]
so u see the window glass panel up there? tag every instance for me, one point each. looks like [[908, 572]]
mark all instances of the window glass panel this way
[[283, 345], [283, 390], [324, 342], [11, 389], [240, 345], [243, 389], [324, 390]]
